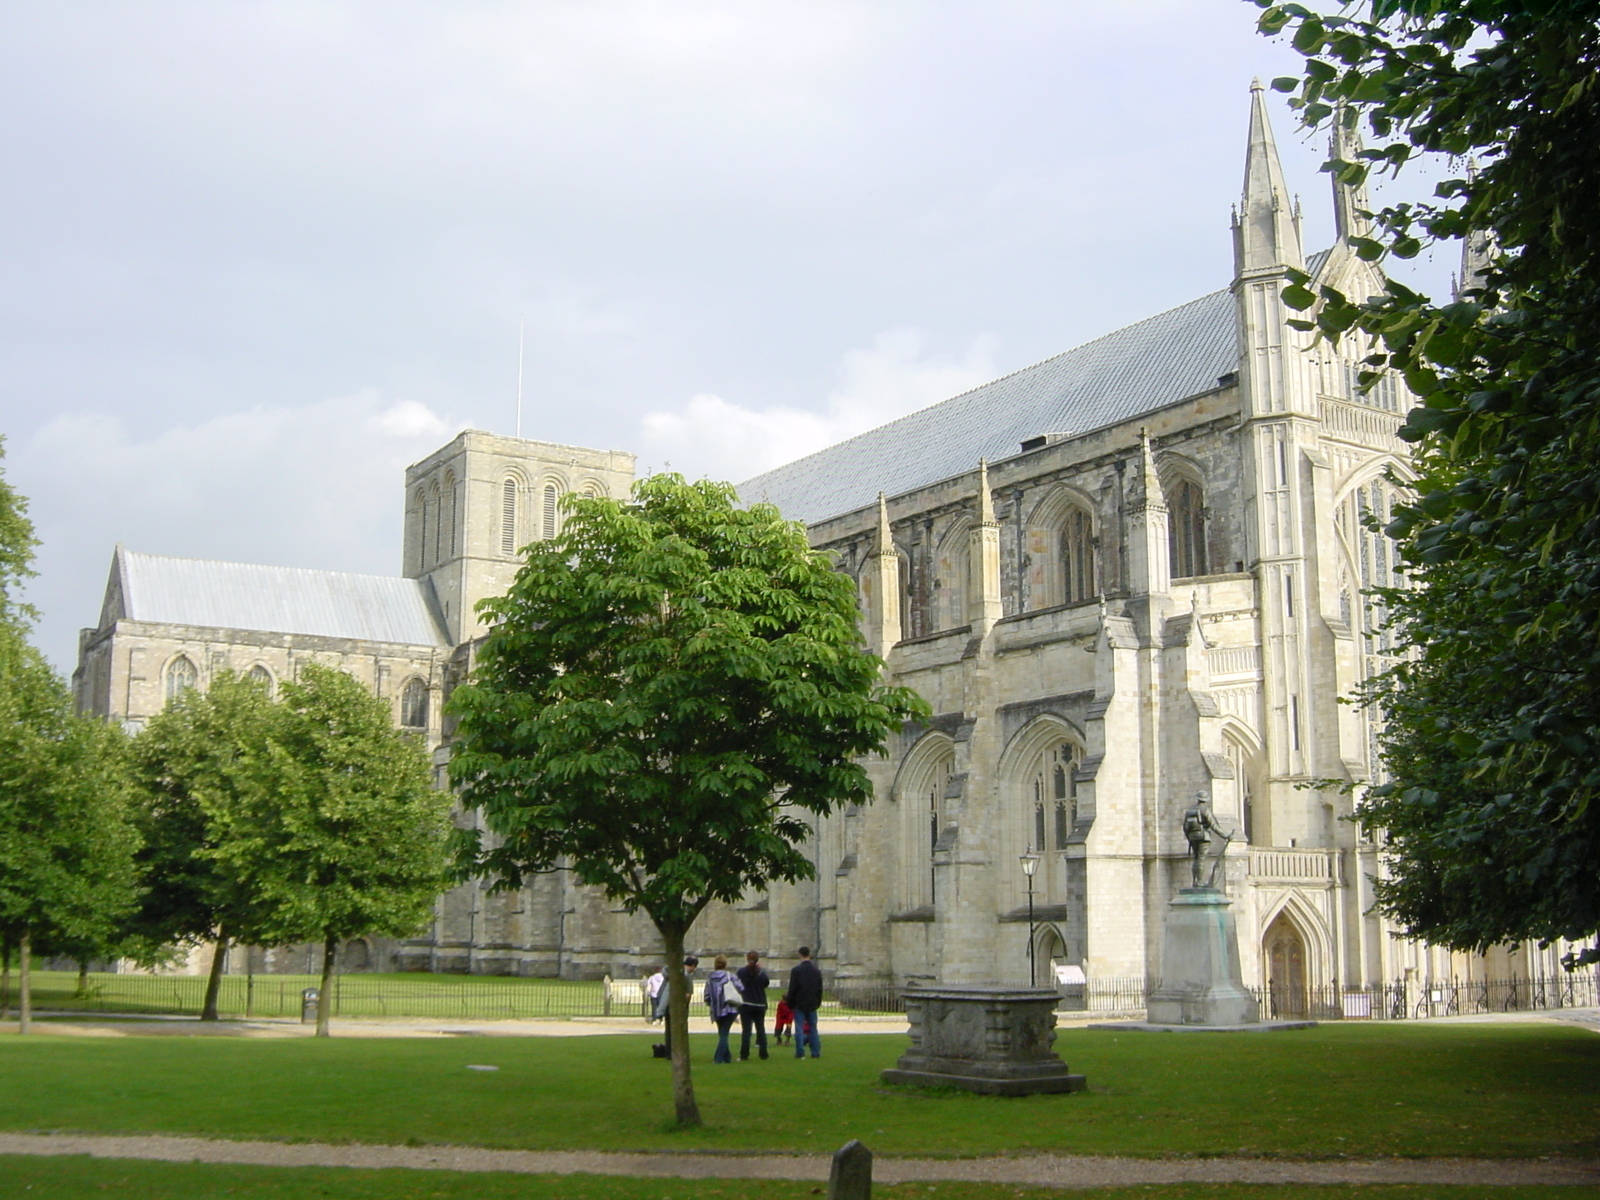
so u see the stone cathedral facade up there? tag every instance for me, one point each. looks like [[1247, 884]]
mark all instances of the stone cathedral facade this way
[[1123, 577]]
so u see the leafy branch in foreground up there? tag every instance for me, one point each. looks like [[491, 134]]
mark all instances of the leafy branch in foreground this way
[[1492, 739]]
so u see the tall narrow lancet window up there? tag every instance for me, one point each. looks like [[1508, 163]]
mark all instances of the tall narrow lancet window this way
[[1188, 531], [414, 705], [418, 531], [1362, 517], [437, 547], [1077, 556], [450, 515], [550, 497], [923, 820], [508, 517], [181, 676], [259, 674], [424, 537]]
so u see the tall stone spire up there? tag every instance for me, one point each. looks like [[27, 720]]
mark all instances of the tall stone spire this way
[[1264, 233], [1149, 568], [884, 574], [1349, 200], [984, 606]]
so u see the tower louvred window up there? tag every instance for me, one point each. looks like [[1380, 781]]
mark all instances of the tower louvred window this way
[[508, 517], [550, 497]]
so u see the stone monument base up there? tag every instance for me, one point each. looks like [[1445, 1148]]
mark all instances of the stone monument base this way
[[1201, 983], [993, 1040]]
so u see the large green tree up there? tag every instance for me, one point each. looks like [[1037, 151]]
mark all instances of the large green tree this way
[[67, 840], [1492, 741], [201, 756], [670, 695], [330, 826]]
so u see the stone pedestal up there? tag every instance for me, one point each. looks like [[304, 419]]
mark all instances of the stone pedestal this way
[[994, 1040], [1201, 983]]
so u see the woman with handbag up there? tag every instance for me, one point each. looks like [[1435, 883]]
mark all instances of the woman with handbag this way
[[722, 995]]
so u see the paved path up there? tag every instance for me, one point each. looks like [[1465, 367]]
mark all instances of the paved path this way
[[1050, 1171]]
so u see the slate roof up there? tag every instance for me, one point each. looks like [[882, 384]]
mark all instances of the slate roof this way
[[1158, 361], [191, 591]]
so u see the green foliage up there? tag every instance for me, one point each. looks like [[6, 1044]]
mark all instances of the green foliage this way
[[670, 690], [204, 744], [67, 840], [330, 825], [67, 836], [1493, 725], [17, 544]]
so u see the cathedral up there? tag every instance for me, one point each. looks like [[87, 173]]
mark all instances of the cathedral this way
[[1123, 578]]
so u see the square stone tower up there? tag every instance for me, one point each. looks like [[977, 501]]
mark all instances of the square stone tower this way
[[473, 504]]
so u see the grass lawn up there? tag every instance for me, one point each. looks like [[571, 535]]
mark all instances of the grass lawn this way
[[75, 1178], [1408, 1089]]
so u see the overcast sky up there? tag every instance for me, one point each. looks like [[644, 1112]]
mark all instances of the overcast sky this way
[[256, 257]]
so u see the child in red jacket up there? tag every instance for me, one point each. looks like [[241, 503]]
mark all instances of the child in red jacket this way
[[783, 1023]]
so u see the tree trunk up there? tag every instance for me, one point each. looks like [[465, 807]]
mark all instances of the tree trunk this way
[[25, 981], [5, 979], [330, 946], [219, 958], [688, 1112], [83, 978]]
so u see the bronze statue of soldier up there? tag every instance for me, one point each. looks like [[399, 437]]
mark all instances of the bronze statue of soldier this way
[[1198, 826]]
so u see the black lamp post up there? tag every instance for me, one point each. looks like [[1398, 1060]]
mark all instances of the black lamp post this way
[[1030, 863]]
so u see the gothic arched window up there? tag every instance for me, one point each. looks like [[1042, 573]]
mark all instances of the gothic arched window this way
[[260, 674], [1077, 557], [508, 517], [1376, 558], [551, 495], [414, 705], [181, 676], [1188, 531], [1055, 797], [924, 799], [951, 569]]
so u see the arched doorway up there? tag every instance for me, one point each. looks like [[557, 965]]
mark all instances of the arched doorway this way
[[1051, 952], [1284, 952]]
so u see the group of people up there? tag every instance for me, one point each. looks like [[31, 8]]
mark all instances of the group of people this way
[[742, 996]]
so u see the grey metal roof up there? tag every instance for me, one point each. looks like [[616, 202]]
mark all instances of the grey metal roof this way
[[191, 591], [1157, 361]]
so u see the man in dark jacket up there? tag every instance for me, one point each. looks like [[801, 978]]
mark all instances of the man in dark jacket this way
[[805, 997], [753, 984]]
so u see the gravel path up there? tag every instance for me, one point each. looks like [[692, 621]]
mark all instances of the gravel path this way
[[1051, 1171]]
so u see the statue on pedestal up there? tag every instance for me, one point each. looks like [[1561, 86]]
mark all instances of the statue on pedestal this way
[[1198, 826]]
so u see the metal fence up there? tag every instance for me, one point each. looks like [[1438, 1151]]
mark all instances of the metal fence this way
[[485, 997], [477, 997], [1399, 1000], [1414, 999]]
